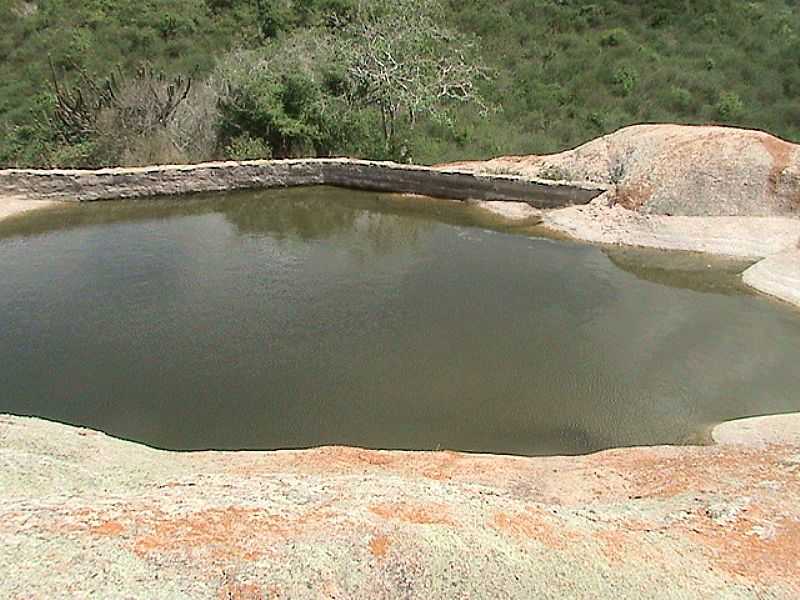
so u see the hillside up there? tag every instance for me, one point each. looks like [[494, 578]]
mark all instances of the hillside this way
[[561, 72], [570, 71]]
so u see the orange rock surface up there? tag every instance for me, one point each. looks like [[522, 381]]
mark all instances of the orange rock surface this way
[[83, 514]]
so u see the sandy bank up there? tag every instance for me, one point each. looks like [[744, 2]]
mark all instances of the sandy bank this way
[[82, 514], [10, 206], [778, 276]]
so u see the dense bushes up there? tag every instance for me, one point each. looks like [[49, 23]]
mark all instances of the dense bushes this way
[[281, 112], [569, 71], [270, 77]]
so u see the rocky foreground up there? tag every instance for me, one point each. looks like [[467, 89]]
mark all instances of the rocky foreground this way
[[85, 515]]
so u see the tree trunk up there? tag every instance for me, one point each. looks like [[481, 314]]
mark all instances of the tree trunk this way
[[384, 122]]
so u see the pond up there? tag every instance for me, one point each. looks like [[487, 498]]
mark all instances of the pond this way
[[283, 319]]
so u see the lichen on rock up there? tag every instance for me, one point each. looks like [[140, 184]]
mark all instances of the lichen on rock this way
[[677, 170], [86, 515]]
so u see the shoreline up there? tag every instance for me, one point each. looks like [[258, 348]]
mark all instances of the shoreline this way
[[772, 241], [715, 520], [582, 211], [12, 206], [692, 521], [77, 185]]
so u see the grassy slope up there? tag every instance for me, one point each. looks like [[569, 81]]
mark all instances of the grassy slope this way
[[567, 70]]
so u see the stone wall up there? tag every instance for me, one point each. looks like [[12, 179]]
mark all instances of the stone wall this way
[[108, 184]]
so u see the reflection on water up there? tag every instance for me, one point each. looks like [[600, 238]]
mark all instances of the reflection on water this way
[[305, 212], [305, 317], [689, 270]]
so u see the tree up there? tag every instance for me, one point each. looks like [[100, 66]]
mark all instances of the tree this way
[[273, 17], [131, 119], [264, 100], [401, 58]]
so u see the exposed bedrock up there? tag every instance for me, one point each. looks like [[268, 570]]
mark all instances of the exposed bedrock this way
[[717, 190], [677, 170], [85, 515], [777, 275]]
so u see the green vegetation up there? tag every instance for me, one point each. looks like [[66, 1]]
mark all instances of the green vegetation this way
[[92, 82]]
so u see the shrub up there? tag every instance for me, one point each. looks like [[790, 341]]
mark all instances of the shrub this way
[[71, 155], [596, 119], [729, 106], [273, 17], [625, 78], [244, 147], [555, 173], [553, 62], [593, 14], [659, 18], [680, 98], [282, 110], [614, 38], [132, 120]]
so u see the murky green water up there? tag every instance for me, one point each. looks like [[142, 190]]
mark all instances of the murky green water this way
[[321, 316]]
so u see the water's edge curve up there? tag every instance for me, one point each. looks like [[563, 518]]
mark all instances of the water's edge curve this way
[[583, 210], [692, 522]]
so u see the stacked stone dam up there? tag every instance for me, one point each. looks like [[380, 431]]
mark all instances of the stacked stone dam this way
[[108, 184], [719, 190]]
